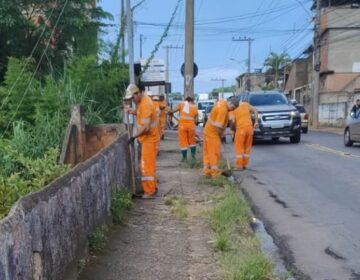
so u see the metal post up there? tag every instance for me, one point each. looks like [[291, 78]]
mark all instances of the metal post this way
[[123, 36], [189, 49], [141, 45], [316, 70]]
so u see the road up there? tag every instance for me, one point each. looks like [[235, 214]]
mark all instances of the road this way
[[308, 195]]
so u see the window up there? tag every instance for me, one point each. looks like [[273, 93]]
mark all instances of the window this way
[[268, 99]]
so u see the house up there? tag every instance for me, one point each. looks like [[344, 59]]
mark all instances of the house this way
[[258, 82], [339, 67]]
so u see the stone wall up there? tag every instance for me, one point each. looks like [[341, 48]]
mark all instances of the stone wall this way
[[45, 234]]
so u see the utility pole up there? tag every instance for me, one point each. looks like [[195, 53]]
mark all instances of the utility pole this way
[[168, 47], [316, 68], [222, 80], [189, 50], [130, 29], [249, 40], [122, 22]]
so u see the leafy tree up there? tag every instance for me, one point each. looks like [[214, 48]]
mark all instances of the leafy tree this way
[[71, 27], [225, 89], [275, 62]]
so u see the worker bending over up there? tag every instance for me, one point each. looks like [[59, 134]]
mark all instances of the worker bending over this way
[[148, 136], [188, 118], [244, 128], [213, 131]]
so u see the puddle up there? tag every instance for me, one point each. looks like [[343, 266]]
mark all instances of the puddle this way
[[270, 250]]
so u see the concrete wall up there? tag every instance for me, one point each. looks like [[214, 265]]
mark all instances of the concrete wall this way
[[45, 234]]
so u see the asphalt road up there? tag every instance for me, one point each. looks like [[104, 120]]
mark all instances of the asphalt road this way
[[308, 195]]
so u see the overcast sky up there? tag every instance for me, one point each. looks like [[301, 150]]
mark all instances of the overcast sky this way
[[276, 25]]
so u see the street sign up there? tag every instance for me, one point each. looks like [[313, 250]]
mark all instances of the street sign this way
[[196, 69], [154, 74]]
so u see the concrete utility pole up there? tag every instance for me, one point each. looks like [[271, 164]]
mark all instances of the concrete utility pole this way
[[222, 80], [122, 35], [249, 40], [316, 68], [168, 47], [189, 50], [130, 29]]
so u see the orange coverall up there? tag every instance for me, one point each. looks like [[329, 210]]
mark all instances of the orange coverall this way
[[158, 111], [186, 128], [163, 116], [231, 116], [212, 140], [244, 135], [146, 114]]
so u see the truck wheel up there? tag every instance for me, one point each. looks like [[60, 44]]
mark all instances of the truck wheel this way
[[275, 139], [347, 138], [305, 130], [296, 138]]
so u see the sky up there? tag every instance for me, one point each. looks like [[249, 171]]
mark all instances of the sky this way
[[275, 25]]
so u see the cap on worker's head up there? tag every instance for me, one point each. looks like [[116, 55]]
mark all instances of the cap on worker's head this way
[[130, 91], [234, 101]]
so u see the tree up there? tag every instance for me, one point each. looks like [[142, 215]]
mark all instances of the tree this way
[[67, 27], [275, 62]]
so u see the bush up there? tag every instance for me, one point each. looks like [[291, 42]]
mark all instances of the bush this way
[[120, 203], [97, 240]]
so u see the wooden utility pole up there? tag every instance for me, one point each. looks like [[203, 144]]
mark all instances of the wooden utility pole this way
[[168, 47], [189, 50], [141, 45], [130, 29], [316, 68], [248, 76]]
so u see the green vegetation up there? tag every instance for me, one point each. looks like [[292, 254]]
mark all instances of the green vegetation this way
[[219, 181], [177, 206], [240, 250], [97, 240], [121, 202]]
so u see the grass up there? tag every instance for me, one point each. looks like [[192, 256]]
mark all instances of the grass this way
[[97, 239], [177, 206], [241, 255], [219, 181], [191, 163], [121, 202]]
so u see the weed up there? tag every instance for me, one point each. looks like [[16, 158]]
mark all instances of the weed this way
[[177, 206], [120, 203], [192, 163], [97, 240], [241, 254]]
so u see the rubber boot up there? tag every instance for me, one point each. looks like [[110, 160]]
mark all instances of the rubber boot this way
[[193, 152], [184, 155]]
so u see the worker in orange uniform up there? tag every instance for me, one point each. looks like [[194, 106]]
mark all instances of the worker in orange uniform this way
[[156, 101], [148, 136], [213, 131], [163, 115], [244, 132], [188, 118]]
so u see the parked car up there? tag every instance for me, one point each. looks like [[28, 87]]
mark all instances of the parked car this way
[[207, 113], [277, 117], [304, 118], [352, 130], [201, 105]]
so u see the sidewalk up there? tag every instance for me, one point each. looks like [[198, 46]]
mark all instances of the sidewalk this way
[[335, 130], [160, 241]]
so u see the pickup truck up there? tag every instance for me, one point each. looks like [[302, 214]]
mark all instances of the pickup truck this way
[[277, 116]]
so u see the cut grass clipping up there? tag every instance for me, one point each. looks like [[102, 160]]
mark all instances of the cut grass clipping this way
[[177, 206], [241, 254], [121, 202]]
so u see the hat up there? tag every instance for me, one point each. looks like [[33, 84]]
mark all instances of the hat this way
[[130, 91]]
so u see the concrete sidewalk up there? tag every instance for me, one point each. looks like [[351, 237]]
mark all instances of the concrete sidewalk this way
[[154, 243]]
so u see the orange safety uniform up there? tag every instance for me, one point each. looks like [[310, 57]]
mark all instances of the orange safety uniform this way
[[146, 114], [244, 135], [212, 140], [187, 127], [163, 116], [158, 111], [231, 117]]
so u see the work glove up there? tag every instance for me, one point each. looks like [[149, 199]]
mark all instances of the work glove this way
[[131, 141]]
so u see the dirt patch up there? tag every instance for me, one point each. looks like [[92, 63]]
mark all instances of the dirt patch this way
[[164, 238]]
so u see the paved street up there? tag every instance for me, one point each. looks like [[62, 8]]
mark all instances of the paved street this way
[[308, 195]]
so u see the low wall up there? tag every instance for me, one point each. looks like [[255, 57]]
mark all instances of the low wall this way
[[45, 233]]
